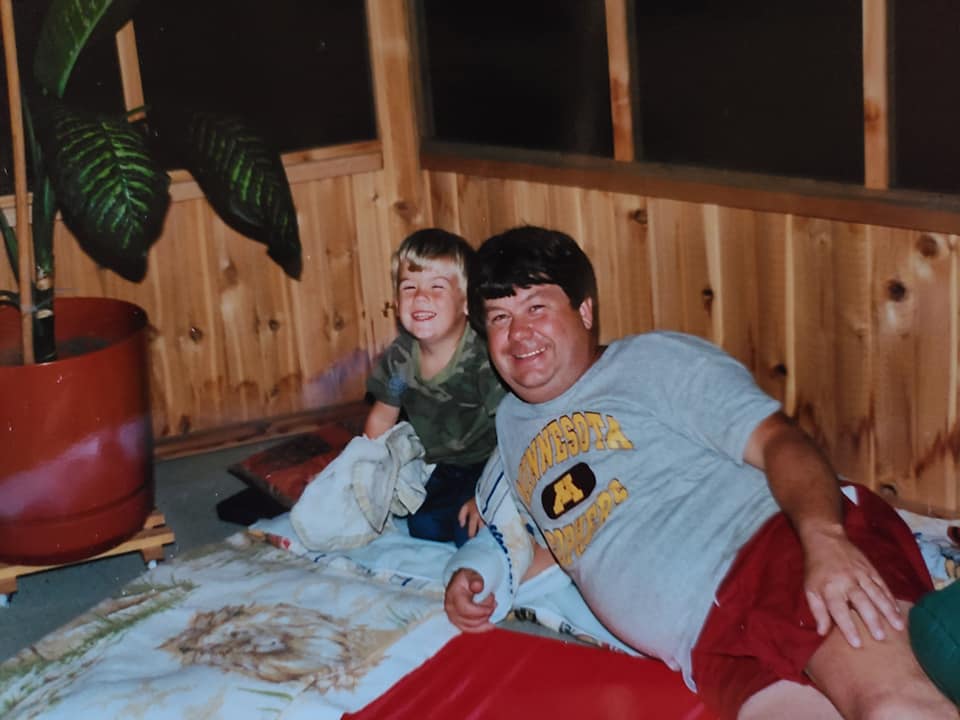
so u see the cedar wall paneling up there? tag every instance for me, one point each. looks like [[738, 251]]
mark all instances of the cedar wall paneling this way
[[852, 327]]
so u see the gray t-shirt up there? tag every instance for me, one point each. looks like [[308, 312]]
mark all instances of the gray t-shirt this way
[[636, 478]]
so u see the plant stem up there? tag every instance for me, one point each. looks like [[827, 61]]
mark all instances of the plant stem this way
[[25, 262]]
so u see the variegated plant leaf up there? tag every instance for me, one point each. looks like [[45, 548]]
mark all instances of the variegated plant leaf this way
[[241, 176], [112, 192], [68, 27]]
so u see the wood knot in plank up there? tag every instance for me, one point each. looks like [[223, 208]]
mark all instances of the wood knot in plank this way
[[896, 290], [928, 246], [872, 112], [639, 216], [779, 370], [407, 210], [230, 274], [707, 295], [196, 334], [273, 324]]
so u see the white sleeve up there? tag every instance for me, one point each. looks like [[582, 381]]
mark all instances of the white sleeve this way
[[502, 551]]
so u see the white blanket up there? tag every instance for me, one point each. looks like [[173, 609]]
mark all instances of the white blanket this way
[[242, 630]]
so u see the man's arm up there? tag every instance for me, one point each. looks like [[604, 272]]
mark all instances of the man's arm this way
[[838, 576]]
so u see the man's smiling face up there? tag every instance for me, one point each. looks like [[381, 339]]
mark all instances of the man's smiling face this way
[[539, 344]]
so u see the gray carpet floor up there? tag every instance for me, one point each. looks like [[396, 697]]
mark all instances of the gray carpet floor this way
[[187, 493]]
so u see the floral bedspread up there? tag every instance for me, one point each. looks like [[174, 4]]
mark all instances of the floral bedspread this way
[[238, 630]]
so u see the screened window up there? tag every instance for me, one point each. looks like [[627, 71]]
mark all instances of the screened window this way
[[529, 73], [297, 71], [925, 98], [752, 85]]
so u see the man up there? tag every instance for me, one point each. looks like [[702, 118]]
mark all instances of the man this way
[[698, 523]]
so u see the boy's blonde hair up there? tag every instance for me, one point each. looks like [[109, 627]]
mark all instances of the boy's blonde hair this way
[[424, 246]]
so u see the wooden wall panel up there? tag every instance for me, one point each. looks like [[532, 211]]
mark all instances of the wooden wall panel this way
[[774, 293], [444, 210], [375, 245], [933, 262], [629, 246], [732, 257], [475, 222], [328, 302], [683, 294], [599, 221], [853, 327], [532, 202], [832, 395], [915, 352]]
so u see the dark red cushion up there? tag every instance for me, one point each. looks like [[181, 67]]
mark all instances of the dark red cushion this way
[[516, 676]]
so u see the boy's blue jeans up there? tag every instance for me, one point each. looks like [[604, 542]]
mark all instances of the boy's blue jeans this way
[[448, 488]]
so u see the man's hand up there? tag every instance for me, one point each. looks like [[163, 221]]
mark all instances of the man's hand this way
[[458, 602], [469, 517], [839, 578]]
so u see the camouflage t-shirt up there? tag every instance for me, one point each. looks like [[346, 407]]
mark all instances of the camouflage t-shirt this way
[[453, 411]]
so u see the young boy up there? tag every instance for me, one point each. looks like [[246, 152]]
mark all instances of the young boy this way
[[438, 373]]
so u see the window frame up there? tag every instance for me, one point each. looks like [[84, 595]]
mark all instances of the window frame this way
[[873, 202]]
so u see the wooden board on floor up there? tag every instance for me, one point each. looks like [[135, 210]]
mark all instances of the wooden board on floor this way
[[148, 542]]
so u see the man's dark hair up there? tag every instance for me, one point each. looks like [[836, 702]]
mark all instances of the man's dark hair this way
[[526, 256]]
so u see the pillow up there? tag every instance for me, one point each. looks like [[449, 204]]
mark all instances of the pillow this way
[[935, 637]]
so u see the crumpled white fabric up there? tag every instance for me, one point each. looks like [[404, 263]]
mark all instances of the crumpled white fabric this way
[[349, 502]]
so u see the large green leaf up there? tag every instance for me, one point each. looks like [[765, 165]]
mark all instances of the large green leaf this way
[[68, 27], [242, 177], [113, 194]]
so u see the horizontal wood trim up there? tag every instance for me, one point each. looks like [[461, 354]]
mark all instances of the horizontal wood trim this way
[[809, 198], [301, 166], [350, 414]]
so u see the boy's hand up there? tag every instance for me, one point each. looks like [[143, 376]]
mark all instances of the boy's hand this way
[[469, 517], [459, 605]]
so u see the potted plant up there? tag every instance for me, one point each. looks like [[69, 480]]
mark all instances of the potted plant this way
[[75, 427]]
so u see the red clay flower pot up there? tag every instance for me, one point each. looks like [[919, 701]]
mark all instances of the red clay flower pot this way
[[76, 442]]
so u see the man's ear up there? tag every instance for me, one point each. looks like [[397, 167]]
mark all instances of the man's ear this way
[[586, 312]]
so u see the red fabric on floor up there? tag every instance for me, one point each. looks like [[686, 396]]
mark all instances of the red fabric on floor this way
[[516, 676]]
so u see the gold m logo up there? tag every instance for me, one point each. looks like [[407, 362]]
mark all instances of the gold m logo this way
[[571, 489]]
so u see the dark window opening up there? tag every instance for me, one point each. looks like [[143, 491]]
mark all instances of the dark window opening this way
[[925, 97], [529, 74], [755, 86], [298, 72]]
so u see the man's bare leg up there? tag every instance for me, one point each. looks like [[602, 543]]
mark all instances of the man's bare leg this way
[[787, 699], [881, 679]]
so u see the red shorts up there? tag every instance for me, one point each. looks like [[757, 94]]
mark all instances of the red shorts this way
[[761, 630]]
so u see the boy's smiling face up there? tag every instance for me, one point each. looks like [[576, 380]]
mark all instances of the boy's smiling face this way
[[431, 304]]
